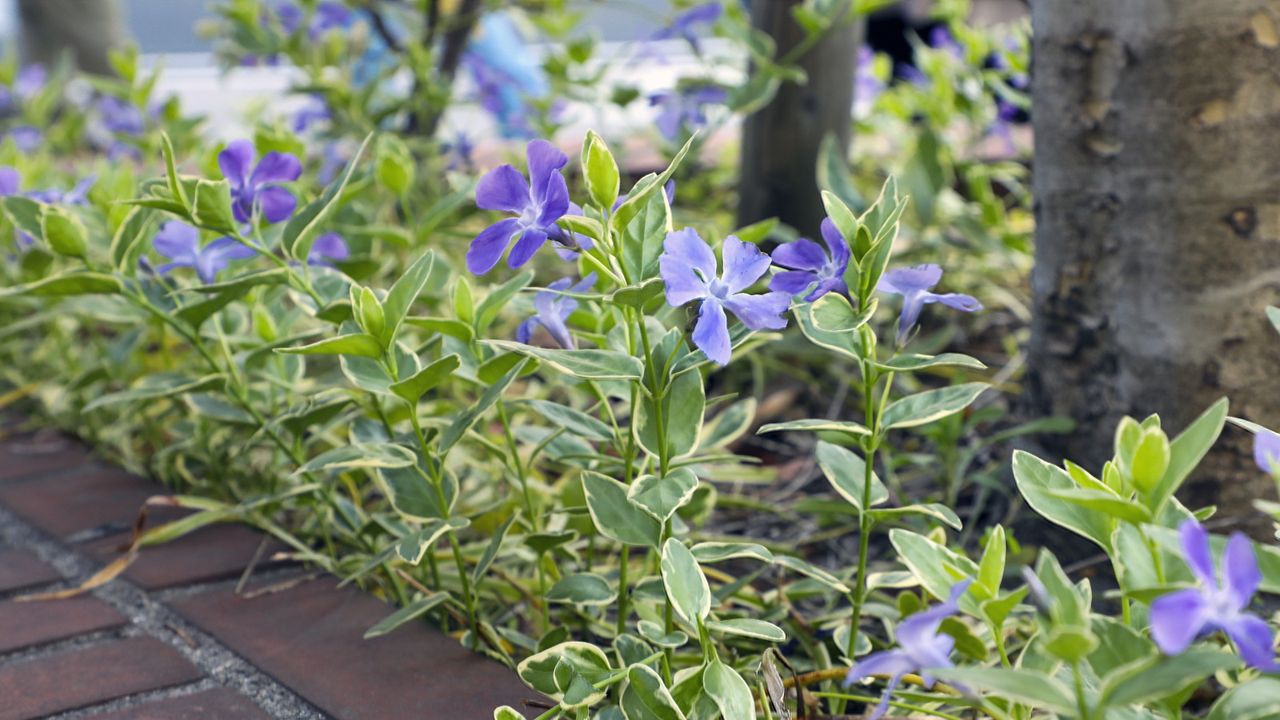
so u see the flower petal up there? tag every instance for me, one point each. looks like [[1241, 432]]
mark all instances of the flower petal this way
[[486, 250], [235, 162], [957, 301], [835, 284], [792, 282], [912, 303], [10, 181], [1177, 618], [836, 244], [526, 246], [743, 262], [1266, 444], [503, 188], [760, 312], [276, 204], [544, 160], [524, 333], [329, 246], [1254, 641], [901, 281], [553, 200], [225, 248], [802, 254], [177, 241], [1240, 574], [885, 662], [711, 333], [1195, 550], [276, 167], [686, 266]]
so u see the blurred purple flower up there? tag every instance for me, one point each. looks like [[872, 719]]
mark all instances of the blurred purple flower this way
[[119, 116], [255, 187], [10, 181], [685, 108], [180, 243], [552, 308], [313, 113], [459, 152], [940, 38], [866, 86], [506, 73], [30, 80], [685, 25], [328, 249], [536, 208], [914, 285], [1266, 450], [1002, 128], [688, 267], [77, 195], [1181, 616], [26, 138], [921, 648], [810, 265]]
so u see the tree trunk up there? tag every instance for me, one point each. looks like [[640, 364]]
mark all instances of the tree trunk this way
[[87, 29], [1157, 187], [780, 142]]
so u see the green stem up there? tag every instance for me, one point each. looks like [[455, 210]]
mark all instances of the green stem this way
[[864, 522]]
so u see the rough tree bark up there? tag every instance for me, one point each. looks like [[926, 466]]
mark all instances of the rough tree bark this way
[[1157, 186], [88, 29], [780, 142]]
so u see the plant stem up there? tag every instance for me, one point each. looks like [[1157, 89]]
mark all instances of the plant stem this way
[[864, 524]]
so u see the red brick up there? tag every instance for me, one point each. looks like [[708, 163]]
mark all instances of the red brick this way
[[38, 453], [20, 569], [26, 624], [216, 704], [310, 638], [88, 676], [68, 504], [211, 553]]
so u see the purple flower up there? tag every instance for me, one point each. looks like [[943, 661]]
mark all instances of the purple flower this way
[[1002, 128], [289, 15], [685, 108], [119, 116], [254, 188], [866, 86], [314, 112], [459, 152], [552, 308], [330, 16], [10, 181], [30, 80], [77, 195], [920, 648], [685, 24], [1183, 615], [940, 38], [328, 249], [1266, 450], [688, 267], [914, 284], [180, 243], [536, 208], [26, 138], [811, 266]]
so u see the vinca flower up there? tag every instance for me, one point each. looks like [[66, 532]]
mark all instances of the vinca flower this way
[[914, 285], [328, 249], [688, 267], [313, 113], [1266, 450], [811, 266], [10, 181], [29, 81], [255, 187], [685, 108], [685, 24], [536, 208], [921, 648], [1218, 601], [505, 73], [26, 138], [867, 86], [119, 116], [77, 195], [552, 309], [180, 243]]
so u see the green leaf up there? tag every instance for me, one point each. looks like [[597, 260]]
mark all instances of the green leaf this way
[[711, 552], [274, 276], [728, 426], [686, 585], [748, 627], [63, 231], [661, 497], [498, 298], [654, 633], [729, 691], [195, 314], [582, 589], [991, 566], [852, 429], [414, 546], [931, 405], [912, 363], [647, 186], [425, 379], [1163, 677], [506, 712], [412, 611], [937, 511], [645, 697], [491, 550], [1037, 481], [599, 171], [638, 296], [414, 496], [642, 238], [574, 421], [684, 405], [1258, 699], [66, 284], [847, 344], [846, 472], [403, 294], [1020, 685], [468, 417], [937, 567], [1187, 450], [582, 364], [584, 659], [833, 313], [159, 385], [358, 344], [361, 456], [614, 515], [811, 571], [1104, 501], [211, 206], [302, 229]]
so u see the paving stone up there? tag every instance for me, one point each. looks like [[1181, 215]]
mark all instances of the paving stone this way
[[21, 569], [88, 676], [310, 638], [209, 554], [67, 504], [216, 704], [38, 453], [26, 624]]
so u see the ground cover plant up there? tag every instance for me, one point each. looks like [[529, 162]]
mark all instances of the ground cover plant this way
[[521, 404]]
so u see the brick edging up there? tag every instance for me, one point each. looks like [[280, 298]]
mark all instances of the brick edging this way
[[300, 631]]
